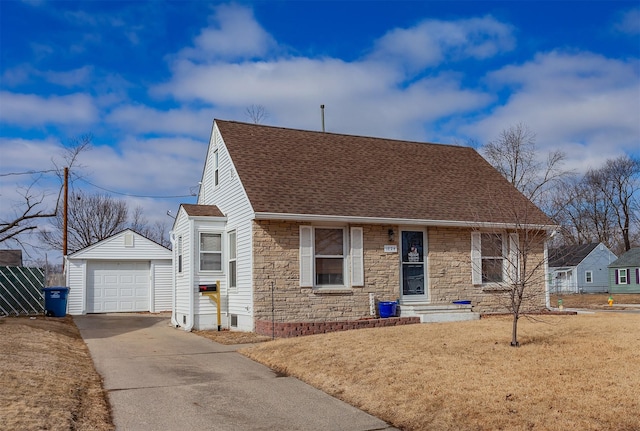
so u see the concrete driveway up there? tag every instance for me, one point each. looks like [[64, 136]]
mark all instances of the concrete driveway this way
[[161, 378]]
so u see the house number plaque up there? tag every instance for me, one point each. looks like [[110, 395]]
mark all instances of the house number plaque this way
[[391, 248]]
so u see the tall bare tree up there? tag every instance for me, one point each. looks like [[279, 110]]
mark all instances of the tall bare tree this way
[[256, 113], [34, 205], [515, 155], [619, 183], [91, 218], [511, 261], [603, 205]]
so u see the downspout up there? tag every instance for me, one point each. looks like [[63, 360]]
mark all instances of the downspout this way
[[172, 238], [547, 298], [192, 260]]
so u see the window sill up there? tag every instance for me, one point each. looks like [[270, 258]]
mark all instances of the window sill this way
[[495, 288], [332, 291]]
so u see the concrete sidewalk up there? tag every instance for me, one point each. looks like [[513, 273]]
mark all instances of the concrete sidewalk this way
[[161, 378]]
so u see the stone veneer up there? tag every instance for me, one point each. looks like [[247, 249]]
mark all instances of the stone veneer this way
[[276, 261], [296, 329]]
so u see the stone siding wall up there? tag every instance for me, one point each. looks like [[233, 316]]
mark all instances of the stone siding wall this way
[[276, 262], [450, 273]]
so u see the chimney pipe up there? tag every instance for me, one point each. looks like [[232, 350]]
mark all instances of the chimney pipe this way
[[322, 115]]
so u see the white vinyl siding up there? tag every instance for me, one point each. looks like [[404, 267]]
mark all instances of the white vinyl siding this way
[[229, 196], [122, 250]]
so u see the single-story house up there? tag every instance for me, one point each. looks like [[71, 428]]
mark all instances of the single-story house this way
[[624, 272], [304, 228], [581, 268], [123, 273]]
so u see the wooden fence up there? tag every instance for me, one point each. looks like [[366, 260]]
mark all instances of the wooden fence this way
[[21, 291]]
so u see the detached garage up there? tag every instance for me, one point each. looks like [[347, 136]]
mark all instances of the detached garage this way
[[126, 272]]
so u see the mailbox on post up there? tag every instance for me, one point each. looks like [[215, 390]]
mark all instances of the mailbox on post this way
[[208, 287], [213, 292]]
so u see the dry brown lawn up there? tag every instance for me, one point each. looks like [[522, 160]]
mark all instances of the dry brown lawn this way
[[47, 378], [570, 372]]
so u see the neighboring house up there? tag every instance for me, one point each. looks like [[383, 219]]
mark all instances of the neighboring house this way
[[580, 268], [624, 273], [123, 273], [303, 227]]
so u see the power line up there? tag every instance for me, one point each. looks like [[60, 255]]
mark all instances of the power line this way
[[29, 172], [136, 196]]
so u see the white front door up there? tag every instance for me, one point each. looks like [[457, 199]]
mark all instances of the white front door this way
[[413, 271], [117, 286]]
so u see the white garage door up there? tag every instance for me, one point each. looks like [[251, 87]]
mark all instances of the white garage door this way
[[117, 286]]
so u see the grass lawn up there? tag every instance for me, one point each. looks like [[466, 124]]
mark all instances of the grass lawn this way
[[570, 373], [47, 378]]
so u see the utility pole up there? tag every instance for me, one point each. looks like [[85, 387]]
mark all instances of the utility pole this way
[[64, 215]]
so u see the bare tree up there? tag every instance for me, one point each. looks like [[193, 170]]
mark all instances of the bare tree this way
[[157, 232], [515, 155], [619, 182], [256, 113], [94, 217], [602, 205], [33, 207], [91, 218], [510, 262]]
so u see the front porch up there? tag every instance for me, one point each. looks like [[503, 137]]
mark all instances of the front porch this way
[[432, 313]]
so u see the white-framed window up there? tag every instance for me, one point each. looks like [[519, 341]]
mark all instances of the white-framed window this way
[[588, 276], [216, 173], [210, 251], [495, 258], [329, 258], [179, 251], [233, 268], [623, 276]]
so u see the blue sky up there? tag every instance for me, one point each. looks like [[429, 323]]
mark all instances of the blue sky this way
[[146, 79]]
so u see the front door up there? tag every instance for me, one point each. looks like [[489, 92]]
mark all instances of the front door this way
[[413, 271]]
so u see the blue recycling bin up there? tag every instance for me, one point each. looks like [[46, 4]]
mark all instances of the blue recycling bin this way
[[387, 308], [55, 301]]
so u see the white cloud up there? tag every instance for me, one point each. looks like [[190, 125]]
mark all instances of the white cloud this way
[[579, 100], [433, 41], [233, 34], [629, 22], [31, 109], [142, 119]]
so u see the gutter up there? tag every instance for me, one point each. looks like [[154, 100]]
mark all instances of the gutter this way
[[398, 221], [192, 299], [172, 238]]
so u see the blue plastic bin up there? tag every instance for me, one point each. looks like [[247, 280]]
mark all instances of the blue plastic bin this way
[[387, 308], [55, 301]]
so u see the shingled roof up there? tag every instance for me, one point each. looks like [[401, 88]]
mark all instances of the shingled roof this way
[[194, 210], [288, 171], [570, 255]]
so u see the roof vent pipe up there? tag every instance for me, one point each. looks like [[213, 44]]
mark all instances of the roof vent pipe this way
[[322, 116]]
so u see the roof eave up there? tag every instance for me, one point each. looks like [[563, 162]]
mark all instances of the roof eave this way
[[321, 218]]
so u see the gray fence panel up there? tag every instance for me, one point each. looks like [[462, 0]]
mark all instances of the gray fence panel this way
[[21, 291]]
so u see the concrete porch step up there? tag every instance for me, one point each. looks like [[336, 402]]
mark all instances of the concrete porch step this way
[[431, 313]]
